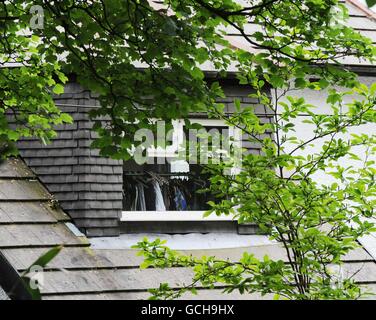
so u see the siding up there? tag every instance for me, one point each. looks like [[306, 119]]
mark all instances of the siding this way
[[235, 91], [87, 186]]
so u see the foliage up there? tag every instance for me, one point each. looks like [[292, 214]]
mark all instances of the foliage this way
[[108, 41], [316, 224], [146, 63], [26, 78]]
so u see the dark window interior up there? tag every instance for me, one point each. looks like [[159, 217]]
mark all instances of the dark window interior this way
[[147, 186], [178, 189]]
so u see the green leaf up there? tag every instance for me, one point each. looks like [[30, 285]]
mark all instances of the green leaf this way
[[33, 291], [58, 89], [13, 135], [276, 81], [237, 105], [300, 83], [373, 87], [43, 260], [197, 73], [65, 117], [370, 3]]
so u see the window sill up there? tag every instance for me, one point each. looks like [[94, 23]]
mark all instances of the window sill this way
[[171, 216]]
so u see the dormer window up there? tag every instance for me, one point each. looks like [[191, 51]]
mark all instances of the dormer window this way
[[167, 186]]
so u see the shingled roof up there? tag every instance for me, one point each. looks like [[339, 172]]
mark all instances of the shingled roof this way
[[31, 223], [360, 19]]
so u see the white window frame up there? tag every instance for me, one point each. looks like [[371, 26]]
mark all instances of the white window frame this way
[[182, 216], [172, 151]]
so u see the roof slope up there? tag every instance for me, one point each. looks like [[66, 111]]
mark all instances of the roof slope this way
[[30, 224], [360, 19], [133, 283]]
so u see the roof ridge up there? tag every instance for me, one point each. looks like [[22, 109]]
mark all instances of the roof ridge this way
[[369, 13]]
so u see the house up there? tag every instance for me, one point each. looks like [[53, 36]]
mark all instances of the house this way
[[67, 194]]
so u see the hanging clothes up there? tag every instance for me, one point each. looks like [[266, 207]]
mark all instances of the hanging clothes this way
[[167, 198], [135, 200], [142, 203], [150, 195], [159, 203], [180, 202], [139, 203]]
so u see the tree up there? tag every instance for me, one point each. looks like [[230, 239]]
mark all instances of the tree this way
[[140, 59], [106, 42], [316, 224], [25, 82]]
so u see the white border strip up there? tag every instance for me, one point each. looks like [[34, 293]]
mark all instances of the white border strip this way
[[171, 216]]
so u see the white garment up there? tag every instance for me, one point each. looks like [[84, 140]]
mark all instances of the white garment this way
[[159, 203], [142, 198], [139, 200], [134, 204]]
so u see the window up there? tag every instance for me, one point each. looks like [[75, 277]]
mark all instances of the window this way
[[166, 186]]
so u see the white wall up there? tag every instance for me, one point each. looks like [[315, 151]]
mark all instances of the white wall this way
[[304, 130]]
